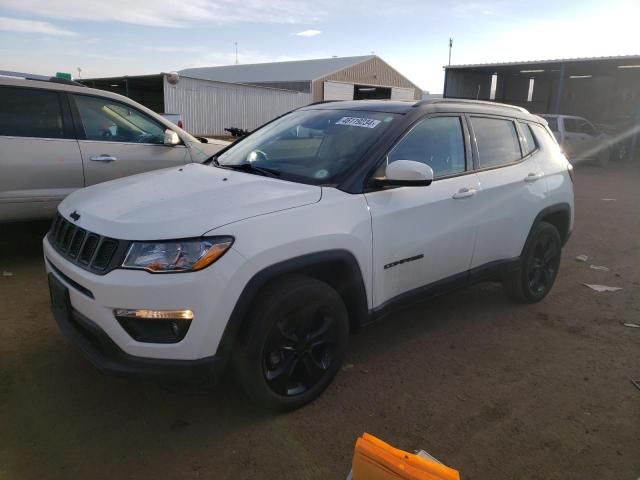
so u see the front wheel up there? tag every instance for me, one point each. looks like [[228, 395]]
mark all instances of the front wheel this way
[[294, 343], [539, 264]]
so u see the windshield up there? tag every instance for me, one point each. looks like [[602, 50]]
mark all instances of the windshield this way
[[311, 146]]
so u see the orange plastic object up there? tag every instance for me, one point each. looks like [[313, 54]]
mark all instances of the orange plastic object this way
[[376, 460]]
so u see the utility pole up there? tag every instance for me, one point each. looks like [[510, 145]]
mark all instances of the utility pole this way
[[79, 72], [236, 44], [450, 47]]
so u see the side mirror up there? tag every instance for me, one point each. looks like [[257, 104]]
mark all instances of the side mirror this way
[[406, 173], [171, 138]]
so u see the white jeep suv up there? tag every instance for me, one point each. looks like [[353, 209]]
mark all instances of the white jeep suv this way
[[319, 222]]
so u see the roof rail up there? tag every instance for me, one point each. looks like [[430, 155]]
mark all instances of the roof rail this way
[[470, 101], [40, 78]]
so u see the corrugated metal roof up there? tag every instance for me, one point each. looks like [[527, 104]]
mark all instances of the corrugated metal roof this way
[[536, 62], [302, 70]]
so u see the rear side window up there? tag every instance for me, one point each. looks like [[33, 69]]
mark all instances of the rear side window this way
[[27, 112], [553, 123], [437, 142], [497, 141], [543, 137], [529, 143]]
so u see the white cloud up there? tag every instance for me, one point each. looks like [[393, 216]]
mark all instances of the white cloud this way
[[308, 33], [172, 13], [32, 26]]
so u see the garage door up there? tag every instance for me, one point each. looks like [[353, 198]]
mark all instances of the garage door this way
[[338, 91], [405, 94]]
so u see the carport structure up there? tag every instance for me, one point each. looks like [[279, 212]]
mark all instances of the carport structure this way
[[605, 90]]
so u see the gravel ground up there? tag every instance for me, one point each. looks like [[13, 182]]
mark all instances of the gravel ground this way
[[496, 390]]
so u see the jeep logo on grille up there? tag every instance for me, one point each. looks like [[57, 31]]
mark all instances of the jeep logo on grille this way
[[75, 215]]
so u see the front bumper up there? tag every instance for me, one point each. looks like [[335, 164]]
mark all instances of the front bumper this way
[[210, 293], [105, 355]]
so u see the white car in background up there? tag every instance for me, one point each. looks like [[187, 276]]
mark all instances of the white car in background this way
[[57, 136], [579, 139]]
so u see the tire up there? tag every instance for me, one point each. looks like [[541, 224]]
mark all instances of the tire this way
[[538, 268], [294, 343]]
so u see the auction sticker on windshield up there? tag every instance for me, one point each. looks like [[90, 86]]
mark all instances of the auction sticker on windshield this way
[[358, 122]]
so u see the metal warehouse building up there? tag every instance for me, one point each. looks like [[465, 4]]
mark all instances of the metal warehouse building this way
[[605, 90], [345, 78], [207, 107]]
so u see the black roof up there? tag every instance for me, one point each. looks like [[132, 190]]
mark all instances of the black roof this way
[[453, 105]]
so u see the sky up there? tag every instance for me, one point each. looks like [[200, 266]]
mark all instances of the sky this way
[[131, 37]]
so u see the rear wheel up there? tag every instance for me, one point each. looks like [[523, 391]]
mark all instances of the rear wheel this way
[[294, 343], [539, 264]]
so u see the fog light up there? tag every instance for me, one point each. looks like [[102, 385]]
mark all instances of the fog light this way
[[156, 314], [155, 326]]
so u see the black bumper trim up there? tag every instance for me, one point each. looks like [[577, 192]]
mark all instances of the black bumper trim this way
[[105, 355]]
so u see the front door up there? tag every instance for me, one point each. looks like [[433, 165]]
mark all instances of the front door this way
[[119, 140], [425, 234]]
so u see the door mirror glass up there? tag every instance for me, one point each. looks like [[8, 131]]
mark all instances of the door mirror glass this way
[[406, 173], [171, 137]]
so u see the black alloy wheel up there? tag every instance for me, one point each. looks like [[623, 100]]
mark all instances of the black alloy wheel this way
[[300, 350], [294, 342], [539, 262], [543, 265]]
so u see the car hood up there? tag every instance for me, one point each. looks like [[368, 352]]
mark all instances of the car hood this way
[[181, 202]]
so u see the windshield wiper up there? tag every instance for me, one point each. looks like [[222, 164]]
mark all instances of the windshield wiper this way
[[250, 168]]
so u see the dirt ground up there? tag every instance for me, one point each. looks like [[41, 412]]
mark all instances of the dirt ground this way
[[496, 390]]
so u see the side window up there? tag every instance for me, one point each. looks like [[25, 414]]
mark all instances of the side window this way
[[497, 141], [571, 125], [553, 123], [437, 142], [529, 142], [28, 112], [107, 120], [543, 137], [586, 127]]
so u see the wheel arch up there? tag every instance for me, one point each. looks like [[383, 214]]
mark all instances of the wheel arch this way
[[337, 268], [558, 215]]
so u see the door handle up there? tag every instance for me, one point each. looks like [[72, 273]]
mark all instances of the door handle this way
[[103, 158], [533, 177], [464, 193]]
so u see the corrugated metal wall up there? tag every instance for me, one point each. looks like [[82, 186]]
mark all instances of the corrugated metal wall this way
[[209, 107], [372, 72]]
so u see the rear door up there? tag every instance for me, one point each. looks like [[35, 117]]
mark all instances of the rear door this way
[[425, 234], [512, 187], [117, 140], [40, 160]]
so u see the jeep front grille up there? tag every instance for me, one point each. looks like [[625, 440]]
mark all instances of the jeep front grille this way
[[88, 250]]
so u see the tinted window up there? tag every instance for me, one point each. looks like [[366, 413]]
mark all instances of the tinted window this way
[[571, 125], [586, 127], [104, 119], [543, 137], [497, 141], [529, 143], [26, 112], [438, 142], [553, 123]]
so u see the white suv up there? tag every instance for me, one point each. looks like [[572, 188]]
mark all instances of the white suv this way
[[314, 225]]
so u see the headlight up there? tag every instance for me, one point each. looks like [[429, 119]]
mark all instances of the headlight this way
[[176, 255]]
